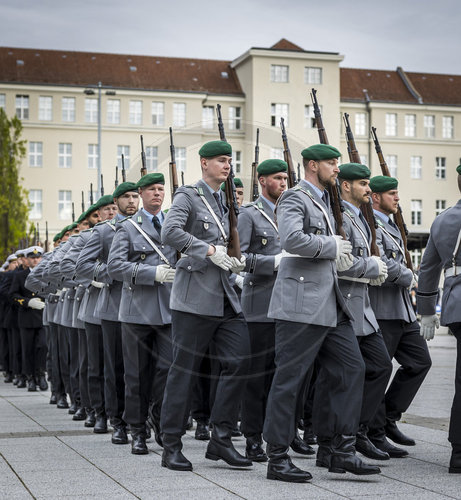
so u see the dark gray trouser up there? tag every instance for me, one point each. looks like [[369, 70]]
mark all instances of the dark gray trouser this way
[[83, 369], [64, 358], [147, 358], [72, 342], [192, 335], [454, 433], [114, 382], [95, 367], [4, 351], [33, 345], [339, 386], [405, 344], [58, 383], [14, 344]]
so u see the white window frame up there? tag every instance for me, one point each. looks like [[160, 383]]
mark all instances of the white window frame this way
[[180, 157], [91, 110], [65, 155], [410, 125], [123, 149], [416, 167], [392, 163], [429, 126], [179, 114], [391, 124], [278, 111], [440, 206], [277, 154], [158, 113], [208, 117], [235, 117], [135, 112], [92, 156], [280, 73], [68, 109], [22, 107], [36, 154], [36, 203], [360, 124], [440, 167], [237, 161], [448, 127], [152, 158], [2, 101], [313, 75], [45, 108], [113, 111], [416, 212], [64, 204]]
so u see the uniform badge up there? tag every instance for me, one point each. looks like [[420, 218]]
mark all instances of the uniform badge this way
[[319, 231], [394, 255], [206, 225], [264, 241], [139, 219], [361, 251], [143, 256]]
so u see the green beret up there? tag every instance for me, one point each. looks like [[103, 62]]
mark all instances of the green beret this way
[[319, 152], [123, 188], [57, 237], [268, 167], [382, 183], [458, 169], [215, 148], [149, 179], [82, 217], [352, 171], [103, 201], [237, 182], [70, 227]]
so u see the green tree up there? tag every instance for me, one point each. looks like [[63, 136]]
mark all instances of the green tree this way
[[14, 206]]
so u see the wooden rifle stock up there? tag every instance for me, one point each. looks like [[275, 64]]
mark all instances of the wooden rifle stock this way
[[291, 181], [398, 217], [173, 170], [233, 248], [143, 159], [73, 212], [254, 171], [116, 176], [366, 208], [123, 169], [91, 194], [83, 202], [333, 191]]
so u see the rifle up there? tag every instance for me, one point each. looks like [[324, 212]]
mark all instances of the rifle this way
[[173, 169], [182, 177], [123, 169], [83, 202], [91, 194], [116, 176], [102, 185], [299, 173], [398, 217], [46, 236], [37, 241], [287, 156], [233, 248], [366, 208], [333, 191], [254, 171], [143, 159], [73, 212]]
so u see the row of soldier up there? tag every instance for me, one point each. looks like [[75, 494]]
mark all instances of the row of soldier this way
[[139, 303]]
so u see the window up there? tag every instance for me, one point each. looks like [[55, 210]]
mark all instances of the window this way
[[45, 108], [235, 117], [440, 206], [2, 101], [309, 117], [35, 200], [91, 110], [179, 114], [65, 155], [360, 124], [364, 159], [125, 151], [416, 212], [440, 170], [92, 156], [65, 205], [35, 154], [391, 161], [279, 73], [277, 154], [410, 125], [208, 117], [68, 109], [181, 159], [447, 127], [416, 166], [135, 112], [237, 161], [22, 107], [391, 124], [429, 126], [158, 114], [152, 158], [113, 111], [312, 75], [416, 256], [279, 111]]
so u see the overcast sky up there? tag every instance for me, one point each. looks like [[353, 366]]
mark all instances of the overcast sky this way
[[419, 35]]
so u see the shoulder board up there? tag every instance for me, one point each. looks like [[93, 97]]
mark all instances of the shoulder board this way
[[348, 212], [101, 223], [166, 210], [74, 235], [86, 230], [113, 221], [379, 222], [247, 205], [125, 218]]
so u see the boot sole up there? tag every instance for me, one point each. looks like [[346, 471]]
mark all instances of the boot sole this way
[[78, 418], [373, 457], [274, 477], [210, 456], [454, 470], [100, 431], [185, 468], [119, 442], [338, 470], [139, 452]]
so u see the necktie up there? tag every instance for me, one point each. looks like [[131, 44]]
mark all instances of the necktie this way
[[219, 203], [156, 223], [393, 224], [364, 223], [325, 198]]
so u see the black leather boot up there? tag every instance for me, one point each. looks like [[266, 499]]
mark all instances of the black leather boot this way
[[202, 432], [100, 425], [42, 383], [8, 378], [383, 444], [138, 439], [455, 460], [53, 399], [344, 459], [396, 435], [220, 447], [62, 402], [172, 457], [281, 468], [80, 414], [298, 445], [254, 450], [119, 436], [31, 384], [21, 382], [309, 437], [364, 446], [324, 452], [90, 417], [73, 408]]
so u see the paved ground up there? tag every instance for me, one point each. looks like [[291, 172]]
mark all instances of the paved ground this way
[[45, 455]]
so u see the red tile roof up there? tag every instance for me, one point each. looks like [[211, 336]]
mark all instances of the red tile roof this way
[[436, 88], [36, 66], [284, 44]]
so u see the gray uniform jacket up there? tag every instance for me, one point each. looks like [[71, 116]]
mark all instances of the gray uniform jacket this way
[[306, 289], [259, 242], [391, 300], [133, 261], [199, 286], [354, 291], [92, 265], [438, 256]]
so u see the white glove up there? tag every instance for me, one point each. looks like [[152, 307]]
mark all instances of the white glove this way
[[239, 281], [221, 259], [98, 284], [414, 281], [343, 247], [36, 303], [277, 259], [344, 262], [238, 265], [382, 268], [428, 325], [378, 281], [164, 273]]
